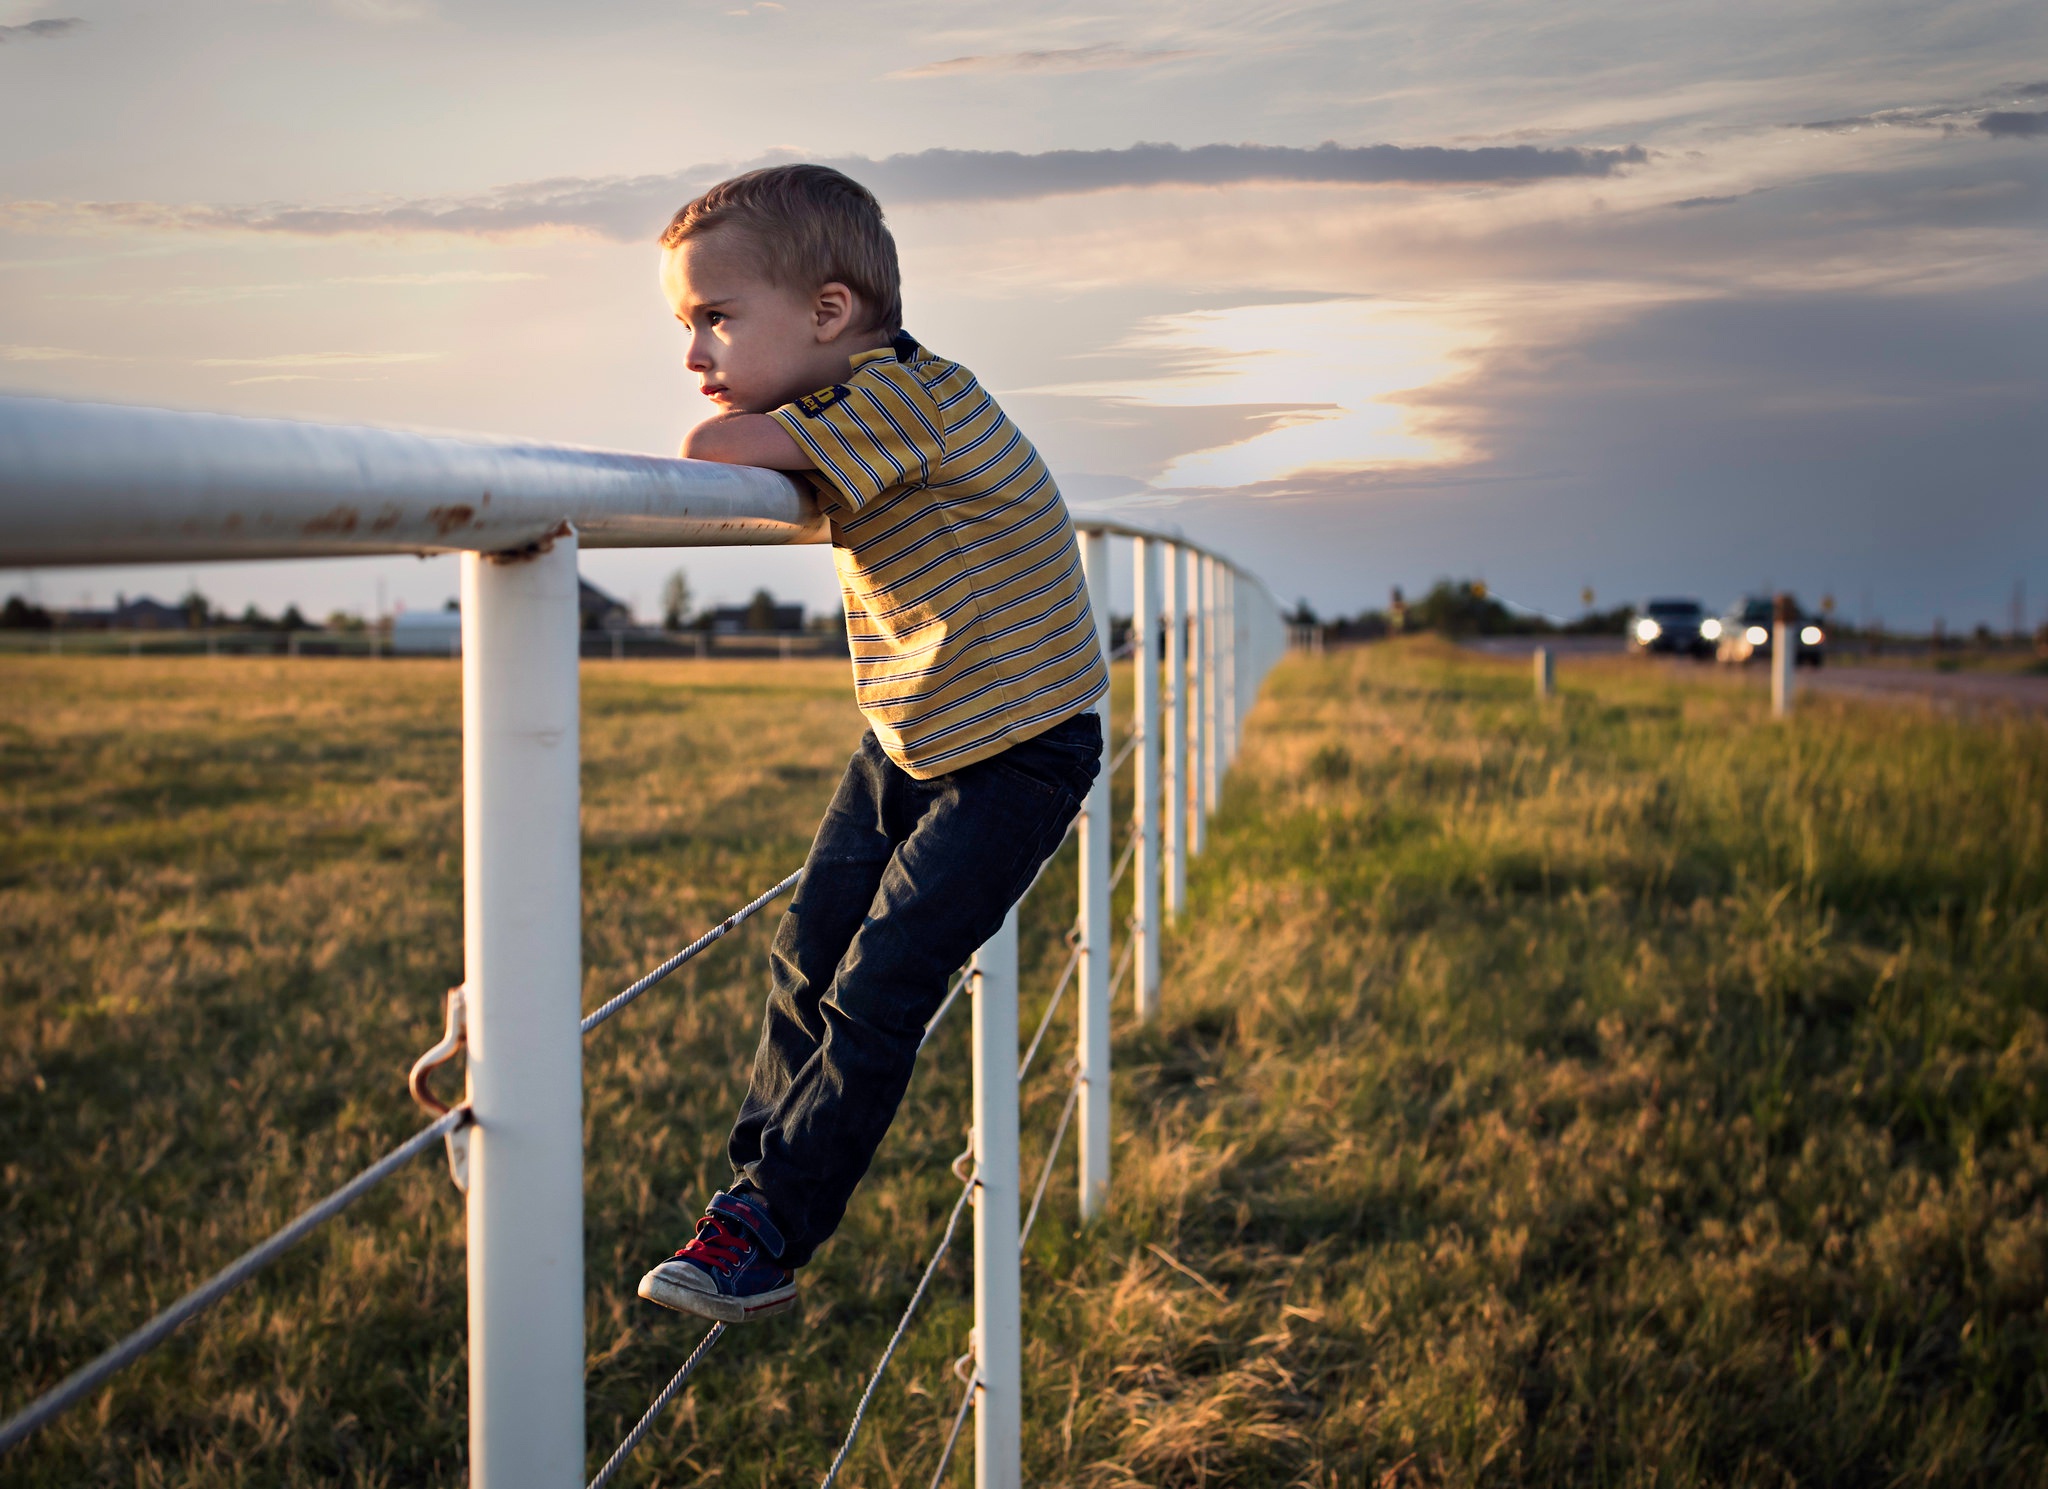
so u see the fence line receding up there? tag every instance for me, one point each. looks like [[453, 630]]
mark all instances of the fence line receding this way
[[94, 483]]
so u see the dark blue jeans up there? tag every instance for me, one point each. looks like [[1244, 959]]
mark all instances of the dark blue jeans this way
[[904, 880]]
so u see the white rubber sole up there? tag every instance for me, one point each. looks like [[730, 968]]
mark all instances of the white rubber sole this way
[[656, 1288]]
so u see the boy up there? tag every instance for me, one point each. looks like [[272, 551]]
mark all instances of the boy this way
[[974, 659]]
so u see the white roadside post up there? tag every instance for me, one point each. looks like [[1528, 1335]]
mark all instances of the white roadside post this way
[[998, 1286], [1200, 741], [1145, 816], [1546, 673], [1233, 699], [1195, 707], [1784, 656], [1211, 689], [522, 953], [1175, 816], [1094, 919]]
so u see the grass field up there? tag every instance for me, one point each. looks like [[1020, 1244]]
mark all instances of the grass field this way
[[1624, 1091]]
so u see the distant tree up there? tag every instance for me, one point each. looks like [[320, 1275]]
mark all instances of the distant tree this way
[[1602, 622], [24, 615], [1367, 625], [675, 601], [198, 609], [255, 619], [761, 611], [293, 620], [1463, 608], [1303, 614]]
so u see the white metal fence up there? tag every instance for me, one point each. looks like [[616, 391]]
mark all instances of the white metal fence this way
[[88, 483]]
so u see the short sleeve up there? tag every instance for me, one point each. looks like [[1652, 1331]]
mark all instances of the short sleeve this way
[[867, 435]]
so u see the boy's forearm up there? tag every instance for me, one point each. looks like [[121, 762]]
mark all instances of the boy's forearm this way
[[746, 439]]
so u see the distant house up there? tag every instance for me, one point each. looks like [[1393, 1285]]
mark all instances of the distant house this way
[[427, 633], [756, 619], [145, 614], [139, 614], [601, 612]]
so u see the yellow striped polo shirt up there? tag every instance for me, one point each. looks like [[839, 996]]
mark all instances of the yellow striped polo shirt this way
[[966, 609]]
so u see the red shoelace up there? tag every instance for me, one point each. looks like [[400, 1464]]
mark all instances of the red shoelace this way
[[717, 1243]]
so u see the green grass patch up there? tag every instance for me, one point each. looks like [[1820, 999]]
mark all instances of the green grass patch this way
[[1625, 1090]]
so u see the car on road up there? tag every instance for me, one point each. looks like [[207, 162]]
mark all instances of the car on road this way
[[1744, 633], [1676, 626]]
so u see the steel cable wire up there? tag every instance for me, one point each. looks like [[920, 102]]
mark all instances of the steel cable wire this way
[[646, 1423], [959, 1421], [1045, 1021], [731, 922], [69, 1391], [860, 1411], [1123, 862], [1059, 1135], [74, 1387], [1123, 965], [960, 980]]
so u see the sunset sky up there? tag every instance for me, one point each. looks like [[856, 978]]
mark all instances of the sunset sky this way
[[1649, 297]]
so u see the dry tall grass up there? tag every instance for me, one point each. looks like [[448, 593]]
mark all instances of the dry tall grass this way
[[1625, 1092]]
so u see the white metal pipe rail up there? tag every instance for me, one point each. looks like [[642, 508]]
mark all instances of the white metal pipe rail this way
[[94, 483]]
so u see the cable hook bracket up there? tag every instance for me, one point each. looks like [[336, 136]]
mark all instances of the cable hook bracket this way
[[453, 1038]]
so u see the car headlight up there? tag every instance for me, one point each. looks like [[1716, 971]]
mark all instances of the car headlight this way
[[1648, 630], [1710, 629], [1810, 636], [1756, 635]]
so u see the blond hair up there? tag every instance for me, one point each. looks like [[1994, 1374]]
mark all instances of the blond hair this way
[[809, 225]]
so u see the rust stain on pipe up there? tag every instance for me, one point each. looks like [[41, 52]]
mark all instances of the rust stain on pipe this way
[[447, 519], [533, 550], [341, 519]]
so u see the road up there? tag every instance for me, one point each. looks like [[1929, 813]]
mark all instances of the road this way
[[1960, 692]]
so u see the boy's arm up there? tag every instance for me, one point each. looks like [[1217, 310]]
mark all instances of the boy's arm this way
[[746, 439]]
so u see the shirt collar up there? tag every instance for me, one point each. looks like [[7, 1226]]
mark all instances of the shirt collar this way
[[902, 347]]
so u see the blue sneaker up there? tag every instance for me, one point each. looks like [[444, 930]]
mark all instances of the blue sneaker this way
[[726, 1272]]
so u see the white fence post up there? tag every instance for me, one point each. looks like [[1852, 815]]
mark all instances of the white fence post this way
[[1233, 699], [1546, 673], [1145, 815], [998, 1287], [522, 950], [1175, 816], [1095, 936], [1784, 657], [1212, 694], [1201, 633]]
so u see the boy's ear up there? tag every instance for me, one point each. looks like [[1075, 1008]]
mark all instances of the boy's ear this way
[[832, 309]]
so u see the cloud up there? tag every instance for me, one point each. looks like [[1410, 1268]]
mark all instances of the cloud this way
[[47, 29], [1708, 201], [2016, 126], [633, 208], [18, 353], [996, 175], [1061, 59], [213, 294], [320, 359], [1982, 114]]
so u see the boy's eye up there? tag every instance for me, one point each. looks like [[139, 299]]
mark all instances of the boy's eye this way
[[714, 317]]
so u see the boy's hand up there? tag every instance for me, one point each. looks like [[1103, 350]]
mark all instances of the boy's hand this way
[[746, 439]]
